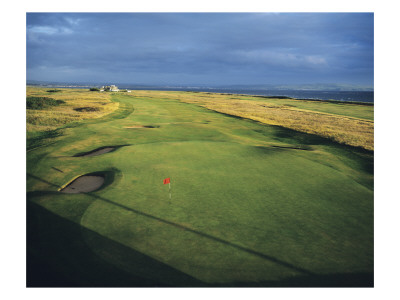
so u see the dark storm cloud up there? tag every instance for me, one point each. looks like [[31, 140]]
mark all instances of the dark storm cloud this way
[[201, 48]]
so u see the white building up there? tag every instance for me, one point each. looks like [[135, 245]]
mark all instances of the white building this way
[[109, 88], [114, 88]]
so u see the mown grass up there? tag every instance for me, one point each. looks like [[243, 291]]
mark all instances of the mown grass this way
[[252, 204]]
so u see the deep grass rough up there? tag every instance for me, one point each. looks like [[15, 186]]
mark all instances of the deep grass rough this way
[[41, 102], [41, 118]]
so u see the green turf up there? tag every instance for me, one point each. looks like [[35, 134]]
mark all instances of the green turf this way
[[252, 205]]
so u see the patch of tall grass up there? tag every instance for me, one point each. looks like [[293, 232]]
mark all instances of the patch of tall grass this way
[[343, 129], [51, 115], [41, 102]]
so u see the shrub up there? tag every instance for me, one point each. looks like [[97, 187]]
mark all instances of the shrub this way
[[53, 91], [94, 89], [41, 102]]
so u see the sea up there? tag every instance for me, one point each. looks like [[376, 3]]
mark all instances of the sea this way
[[356, 96], [352, 96]]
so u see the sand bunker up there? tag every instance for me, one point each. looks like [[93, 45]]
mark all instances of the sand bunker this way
[[305, 147], [84, 184], [87, 109], [98, 151], [142, 126]]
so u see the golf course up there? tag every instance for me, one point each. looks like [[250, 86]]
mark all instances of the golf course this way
[[264, 192]]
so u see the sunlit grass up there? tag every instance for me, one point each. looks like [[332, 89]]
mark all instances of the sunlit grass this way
[[350, 124], [346, 130], [57, 116], [346, 123]]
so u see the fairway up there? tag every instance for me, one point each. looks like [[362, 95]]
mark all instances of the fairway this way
[[251, 204]]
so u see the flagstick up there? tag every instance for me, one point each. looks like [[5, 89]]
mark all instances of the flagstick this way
[[169, 184]]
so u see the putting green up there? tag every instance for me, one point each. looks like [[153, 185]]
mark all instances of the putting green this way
[[251, 204]]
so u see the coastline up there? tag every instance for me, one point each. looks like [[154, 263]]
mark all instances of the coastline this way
[[268, 94]]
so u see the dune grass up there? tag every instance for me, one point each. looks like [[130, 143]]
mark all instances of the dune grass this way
[[343, 129], [252, 204], [44, 118]]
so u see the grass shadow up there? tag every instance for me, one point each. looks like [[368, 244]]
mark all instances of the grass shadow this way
[[202, 234], [362, 279], [358, 157], [41, 138], [58, 256], [206, 235]]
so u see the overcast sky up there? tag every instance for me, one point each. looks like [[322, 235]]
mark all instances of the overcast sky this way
[[201, 48]]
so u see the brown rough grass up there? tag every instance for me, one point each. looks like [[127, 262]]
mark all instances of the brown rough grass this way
[[347, 130], [54, 117]]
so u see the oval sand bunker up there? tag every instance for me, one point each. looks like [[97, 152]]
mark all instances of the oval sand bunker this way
[[84, 184], [142, 126], [96, 152]]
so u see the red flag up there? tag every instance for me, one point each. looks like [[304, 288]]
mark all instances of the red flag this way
[[167, 180]]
